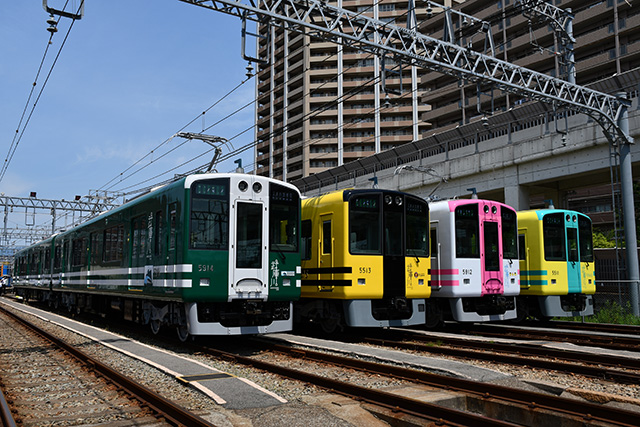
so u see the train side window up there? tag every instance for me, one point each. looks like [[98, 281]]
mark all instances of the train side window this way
[[172, 231], [65, 254], [157, 239], [47, 260], [79, 252], [57, 257], [306, 239], [326, 237], [113, 244], [522, 248], [96, 248]]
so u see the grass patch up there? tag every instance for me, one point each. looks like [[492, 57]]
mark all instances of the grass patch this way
[[611, 312]]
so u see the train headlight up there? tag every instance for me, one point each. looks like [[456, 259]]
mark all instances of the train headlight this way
[[388, 199], [568, 217], [257, 187], [486, 209], [494, 210], [398, 200], [575, 218], [242, 185]]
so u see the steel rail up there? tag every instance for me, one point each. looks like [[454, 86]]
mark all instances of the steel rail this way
[[6, 417], [593, 327], [585, 411], [396, 403], [170, 411], [604, 341], [563, 360]]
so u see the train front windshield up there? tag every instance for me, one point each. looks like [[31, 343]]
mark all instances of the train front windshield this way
[[586, 239], [209, 220], [467, 231], [417, 228], [554, 237], [368, 228], [283, 219], [509, 233]]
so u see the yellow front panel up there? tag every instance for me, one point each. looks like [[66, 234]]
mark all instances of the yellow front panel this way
[[417, 277]]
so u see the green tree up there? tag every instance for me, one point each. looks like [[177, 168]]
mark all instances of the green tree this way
[[602, 241]]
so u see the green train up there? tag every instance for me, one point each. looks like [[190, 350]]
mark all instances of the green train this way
[[208, 254]]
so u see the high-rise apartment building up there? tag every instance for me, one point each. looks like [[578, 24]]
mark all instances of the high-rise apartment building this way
[[321, 105], [606, 33]]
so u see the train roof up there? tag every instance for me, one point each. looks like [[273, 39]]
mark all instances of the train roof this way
[[184, 182]]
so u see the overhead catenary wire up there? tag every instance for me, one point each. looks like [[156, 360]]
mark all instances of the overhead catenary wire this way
[[19, 134], [120, 178]]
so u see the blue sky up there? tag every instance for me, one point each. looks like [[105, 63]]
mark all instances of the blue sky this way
[[131, 74]]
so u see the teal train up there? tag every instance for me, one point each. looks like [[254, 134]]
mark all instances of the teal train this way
[[556, 264]]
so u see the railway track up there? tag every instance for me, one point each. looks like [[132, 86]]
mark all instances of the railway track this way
[[593, 327], [268, 357], [609, 341], [609, 367], [48, 382], [531, 404]]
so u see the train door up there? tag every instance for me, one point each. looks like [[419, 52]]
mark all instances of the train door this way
[[250, 247], [139, 248], [491, 254], [393, 243], [573, 264], [435, 256], [326, 248]]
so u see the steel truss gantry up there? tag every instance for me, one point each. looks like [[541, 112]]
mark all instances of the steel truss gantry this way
[[91, 207], [316, 18]]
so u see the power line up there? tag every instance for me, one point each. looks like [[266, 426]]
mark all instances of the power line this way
[[18, 136]]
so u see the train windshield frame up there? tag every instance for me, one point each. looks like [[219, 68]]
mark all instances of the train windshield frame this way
[[365, 224], [209, 214], [554, 237], [585, 237], [417, 233], [284, 215], [509, 233], [467, 231]]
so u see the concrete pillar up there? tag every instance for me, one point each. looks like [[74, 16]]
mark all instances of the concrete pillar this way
[[517, 196]]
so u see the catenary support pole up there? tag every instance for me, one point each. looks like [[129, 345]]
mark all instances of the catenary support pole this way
[[628, 209]]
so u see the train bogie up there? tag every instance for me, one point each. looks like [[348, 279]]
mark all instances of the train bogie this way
[[556, 263], [475, 275], [208, 254], [365, 259]]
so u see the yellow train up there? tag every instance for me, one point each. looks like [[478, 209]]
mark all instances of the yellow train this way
[[556, 264], [365, 259]]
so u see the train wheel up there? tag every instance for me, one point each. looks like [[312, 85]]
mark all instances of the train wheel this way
[[155, 326], [183, 333]]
